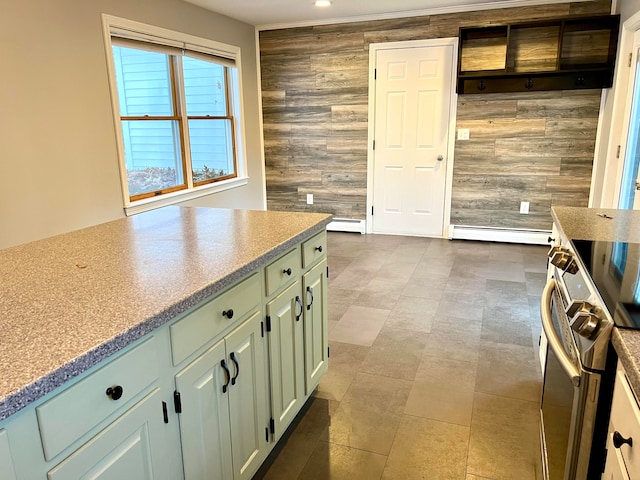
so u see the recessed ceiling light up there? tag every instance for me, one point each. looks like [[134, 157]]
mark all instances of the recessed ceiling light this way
[[323, 3]]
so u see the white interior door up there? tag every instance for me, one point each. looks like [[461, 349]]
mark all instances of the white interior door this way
[[413, 89]]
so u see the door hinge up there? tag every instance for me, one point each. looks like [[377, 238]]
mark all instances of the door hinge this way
[[165, 414], [266, 434], [327, 271], [371, 209], [630, 57], [375, 73], [328, 352], [177, 402], [268, 323], [272, 426], [262, 329], [618, 152], [374, 144]]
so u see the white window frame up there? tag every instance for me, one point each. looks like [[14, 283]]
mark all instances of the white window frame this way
[[112, 25]]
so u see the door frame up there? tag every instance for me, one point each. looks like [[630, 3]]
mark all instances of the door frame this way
[[453, 104]]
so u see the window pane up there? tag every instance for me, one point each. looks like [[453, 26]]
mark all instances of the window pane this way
[[211, 149], [143, 81], [153, 155], [204, 88]]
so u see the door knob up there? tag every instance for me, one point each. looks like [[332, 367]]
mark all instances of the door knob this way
[[440, 158]]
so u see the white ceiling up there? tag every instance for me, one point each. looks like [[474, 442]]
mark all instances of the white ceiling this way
[[268, 14]]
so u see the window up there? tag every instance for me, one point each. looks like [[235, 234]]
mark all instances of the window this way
[[177, 104]]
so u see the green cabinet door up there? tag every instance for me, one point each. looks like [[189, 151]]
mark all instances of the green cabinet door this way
[[7, 471], [286, 356], [204, 419], [138, 445], [316, 322]]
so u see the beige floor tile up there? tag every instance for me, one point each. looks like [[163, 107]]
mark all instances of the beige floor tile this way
[[370, 413], [427, 449], [504, 438], [413, 313], [344, 363], [508, 371], [506, 325], [429, 288], [396, 353], [381, 293], [443, 390], [359, 325], [337, 462], [297, 444], [455, 339]]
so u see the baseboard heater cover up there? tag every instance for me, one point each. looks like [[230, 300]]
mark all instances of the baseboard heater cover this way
[[493, 234], [347, 225]]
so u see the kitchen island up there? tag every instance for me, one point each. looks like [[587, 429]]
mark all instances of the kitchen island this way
[[70, 304], [578, 223]]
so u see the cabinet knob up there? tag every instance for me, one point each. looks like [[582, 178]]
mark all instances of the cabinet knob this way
[[481, 85], [114, 392], [619, 440], [319, 249], [529, 83], [551, 239], [228, 313], [287, 271]]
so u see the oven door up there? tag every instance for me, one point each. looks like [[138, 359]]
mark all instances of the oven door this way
[[566, 410]]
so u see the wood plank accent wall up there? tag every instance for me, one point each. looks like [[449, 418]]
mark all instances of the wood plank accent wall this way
[[535, 147]]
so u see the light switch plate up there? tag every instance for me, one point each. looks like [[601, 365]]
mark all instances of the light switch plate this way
[[309, 198], [463, 134], [524, 207]]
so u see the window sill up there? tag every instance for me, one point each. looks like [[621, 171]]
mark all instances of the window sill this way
[[182, 196]]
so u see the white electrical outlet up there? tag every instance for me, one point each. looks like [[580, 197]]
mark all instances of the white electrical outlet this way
[[463, 134], [309, 198], [524, 207]]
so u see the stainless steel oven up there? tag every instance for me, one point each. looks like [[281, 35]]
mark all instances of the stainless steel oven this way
[[577, 331]]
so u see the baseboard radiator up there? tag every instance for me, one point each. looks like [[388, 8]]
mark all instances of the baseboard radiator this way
[[347, 225], [507, 235]]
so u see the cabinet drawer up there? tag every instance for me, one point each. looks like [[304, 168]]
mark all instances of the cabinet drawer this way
[[201, 326], [314, 249], [282, 272], [625, 419], [74, 412]]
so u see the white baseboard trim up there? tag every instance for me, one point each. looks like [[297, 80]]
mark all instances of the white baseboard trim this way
[[507, 235], [347, 225]]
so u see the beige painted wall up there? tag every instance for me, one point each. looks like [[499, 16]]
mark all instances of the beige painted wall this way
[[58, 162]]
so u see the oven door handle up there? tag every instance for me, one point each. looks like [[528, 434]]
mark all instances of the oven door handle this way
[[552, 337]]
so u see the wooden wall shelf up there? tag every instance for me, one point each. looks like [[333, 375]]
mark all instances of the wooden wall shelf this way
[[553, 54]]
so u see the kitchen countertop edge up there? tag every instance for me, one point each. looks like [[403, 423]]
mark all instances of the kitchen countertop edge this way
[[17, 401]]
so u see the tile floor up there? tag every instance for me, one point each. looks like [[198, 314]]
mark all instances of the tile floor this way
[[433, 371]]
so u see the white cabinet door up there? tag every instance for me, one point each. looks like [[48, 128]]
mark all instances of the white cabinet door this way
[[6, 462], [247, 397], [614, 469], [316, 333], [138, 445], [286, 356], [204, 417]]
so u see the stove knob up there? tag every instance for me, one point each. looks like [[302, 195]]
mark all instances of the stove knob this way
[[562, 259], [585, 322]]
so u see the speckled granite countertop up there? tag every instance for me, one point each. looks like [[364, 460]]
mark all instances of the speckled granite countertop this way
[[624, 226], [70, 301]]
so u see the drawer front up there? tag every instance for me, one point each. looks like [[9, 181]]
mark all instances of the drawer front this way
[[282, 272], [203, 325], [314, 249], [625, 419], [74, 412]]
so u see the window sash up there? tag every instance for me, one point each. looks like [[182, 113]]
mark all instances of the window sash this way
[[176, 72]]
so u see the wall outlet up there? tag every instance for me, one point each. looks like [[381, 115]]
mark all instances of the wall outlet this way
[[463, 134], [524, 207], [309, 198]]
